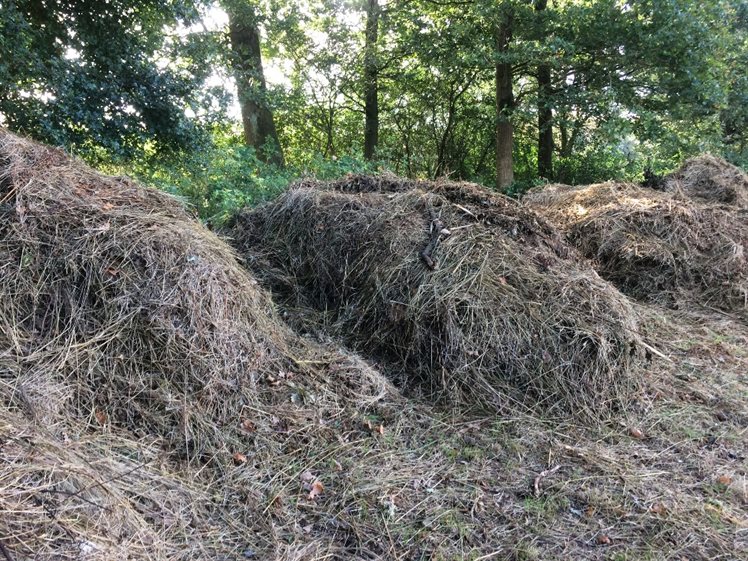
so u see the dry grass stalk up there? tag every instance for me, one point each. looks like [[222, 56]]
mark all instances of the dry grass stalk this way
[[708, 178], [136, 356]]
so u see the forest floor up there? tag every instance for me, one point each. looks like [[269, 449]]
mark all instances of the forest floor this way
[[667, 481]]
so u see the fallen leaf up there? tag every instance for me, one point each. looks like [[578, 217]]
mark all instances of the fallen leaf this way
[[658, 508], [636, 433], [603, 539], [248, 425], [317, 489], [101, 417], [239, 458], [724, 480]]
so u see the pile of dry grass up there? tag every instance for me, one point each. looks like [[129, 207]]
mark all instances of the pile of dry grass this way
[[655, 246], [137, 358], [117, 305], [463, 293], [711, 179]]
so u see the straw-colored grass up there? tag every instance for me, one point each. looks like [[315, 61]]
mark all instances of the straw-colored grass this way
[[655, 246], [462, 293], [309, 454], [708, 178]]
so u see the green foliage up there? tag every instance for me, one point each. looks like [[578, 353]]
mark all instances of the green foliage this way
[[96, 76], [635, 85], [229, 176]]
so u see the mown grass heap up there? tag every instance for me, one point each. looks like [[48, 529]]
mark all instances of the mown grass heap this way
[[463, 293], [655, 246], [707, 178], [137, 358], [118, 302]]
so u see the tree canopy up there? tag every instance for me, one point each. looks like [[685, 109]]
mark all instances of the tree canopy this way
[[501, 93]]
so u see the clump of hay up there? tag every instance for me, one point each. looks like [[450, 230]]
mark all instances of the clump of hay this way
[[117, 303], [137, 358], [464, 293], [711, 179], [98, 498], [655, 246]]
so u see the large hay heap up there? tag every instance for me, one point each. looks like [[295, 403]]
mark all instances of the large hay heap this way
[[464, 293], [136, 358], [710, 179], [655, 246], [116, 301]]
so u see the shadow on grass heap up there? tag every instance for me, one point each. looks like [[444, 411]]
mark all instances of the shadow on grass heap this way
[[461, 293]]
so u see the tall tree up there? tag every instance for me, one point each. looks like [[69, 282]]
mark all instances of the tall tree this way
[[504, 98], [371, 81], [257, 119], [545, 109]]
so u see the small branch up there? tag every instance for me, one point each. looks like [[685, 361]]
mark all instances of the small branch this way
[[437, 231], [542, 475]]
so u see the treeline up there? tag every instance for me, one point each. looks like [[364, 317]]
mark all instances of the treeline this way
[[500, 92]]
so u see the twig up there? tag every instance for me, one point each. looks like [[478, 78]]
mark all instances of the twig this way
[[466, 211], [437, 231], [542, 475], [651, 349]]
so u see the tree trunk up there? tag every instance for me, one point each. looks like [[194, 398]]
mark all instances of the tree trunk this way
[[504, 103], [371, 86], [545, 114], [257, 119]]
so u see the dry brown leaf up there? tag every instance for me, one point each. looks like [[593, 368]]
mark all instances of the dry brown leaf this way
[[239, 458], [603, 539], [724, 480], [248, 425], [317, 489], [636, 433], [658, 508], [101, 417]]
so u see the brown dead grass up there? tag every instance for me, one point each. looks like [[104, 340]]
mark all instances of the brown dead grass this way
[[500, 310], [707, 178], [121, 313], [655, 246]]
